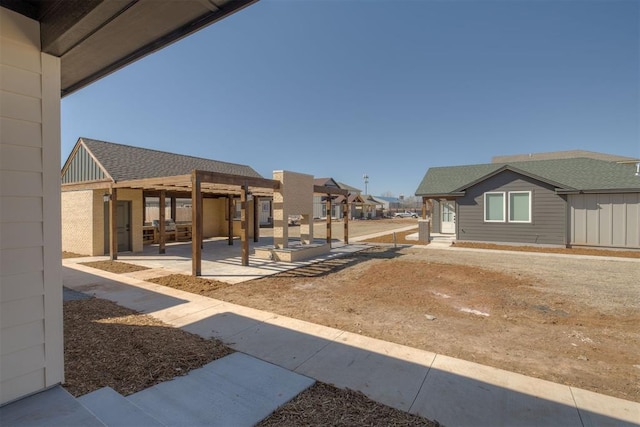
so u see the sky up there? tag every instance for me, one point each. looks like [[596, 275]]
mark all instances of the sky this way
[[386, 89]]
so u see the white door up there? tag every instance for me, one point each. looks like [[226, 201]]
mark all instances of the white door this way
[[448, 216]]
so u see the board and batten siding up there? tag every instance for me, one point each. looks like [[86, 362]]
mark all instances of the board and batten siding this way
[[31, 339], [83, 168], [611, 220], [548, 213]]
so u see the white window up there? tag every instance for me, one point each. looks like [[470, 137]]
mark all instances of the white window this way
[[520, 206], [494, 207]]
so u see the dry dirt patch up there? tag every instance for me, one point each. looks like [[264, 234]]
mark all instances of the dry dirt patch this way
[[66, 255], [541, 249], [115, 266], [399, 238], [550, 319]]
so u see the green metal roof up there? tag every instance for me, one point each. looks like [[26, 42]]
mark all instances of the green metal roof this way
[[577, 174]]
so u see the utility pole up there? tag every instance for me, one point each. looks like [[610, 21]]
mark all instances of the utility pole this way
[[366, 181]]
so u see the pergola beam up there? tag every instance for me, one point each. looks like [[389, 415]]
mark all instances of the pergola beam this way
[[210, 182], [228, 179], [330, 190]]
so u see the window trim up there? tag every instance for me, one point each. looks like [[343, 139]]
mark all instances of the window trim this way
[[504, 206], [530, 204], [237, 209]]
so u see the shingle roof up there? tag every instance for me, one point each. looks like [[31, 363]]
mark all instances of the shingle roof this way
[[124, 162], [325, 182], [561, 155], [349, 188], [581, 174]]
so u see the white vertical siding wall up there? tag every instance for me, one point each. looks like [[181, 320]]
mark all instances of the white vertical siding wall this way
[[31, 341], [605, 220]]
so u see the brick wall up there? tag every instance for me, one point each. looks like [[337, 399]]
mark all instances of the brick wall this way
[[78, 209]]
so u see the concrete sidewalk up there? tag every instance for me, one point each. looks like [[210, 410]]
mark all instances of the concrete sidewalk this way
[[451, 391]]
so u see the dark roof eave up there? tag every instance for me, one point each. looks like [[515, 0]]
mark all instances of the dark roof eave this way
[[512, 169], [598, 191], [441, 195]]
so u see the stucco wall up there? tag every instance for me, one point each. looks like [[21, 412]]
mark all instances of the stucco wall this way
[[294, 197], [213, 215], [31, 340], [297, 191], [79, 214]]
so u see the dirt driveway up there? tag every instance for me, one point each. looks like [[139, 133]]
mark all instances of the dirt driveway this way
[[567, 320]]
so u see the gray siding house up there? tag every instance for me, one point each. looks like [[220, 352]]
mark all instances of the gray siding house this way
[[564, 202]]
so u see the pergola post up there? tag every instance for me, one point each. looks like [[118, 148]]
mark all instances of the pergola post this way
[[196, 224], [328, 205], [345, 213], [113, 226], [244, 204], [161, 223], [256, 219], [174, 208], [424, 208], [230, 214]]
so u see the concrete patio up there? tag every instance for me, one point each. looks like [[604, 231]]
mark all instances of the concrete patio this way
[[221, 261]]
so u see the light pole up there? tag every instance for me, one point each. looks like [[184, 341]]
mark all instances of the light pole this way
[[366, 181]]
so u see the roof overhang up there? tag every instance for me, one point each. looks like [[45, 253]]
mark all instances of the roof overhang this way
[[330, 190], [606, 191], [512, 169], [442, 195], [211, 183], [94, 38]]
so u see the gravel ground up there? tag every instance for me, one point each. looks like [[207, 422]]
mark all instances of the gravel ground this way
[[568, 320], [605, 284], [571, 320]]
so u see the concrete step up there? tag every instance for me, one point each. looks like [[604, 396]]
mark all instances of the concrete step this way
[[114, 410], [52, 407], [237, 390]]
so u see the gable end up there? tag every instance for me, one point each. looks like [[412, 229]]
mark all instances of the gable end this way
[[82, 167]]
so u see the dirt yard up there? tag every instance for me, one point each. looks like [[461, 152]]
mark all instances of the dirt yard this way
[[567, 320]]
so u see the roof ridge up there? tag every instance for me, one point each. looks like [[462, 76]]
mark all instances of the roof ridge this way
[[162, 152]]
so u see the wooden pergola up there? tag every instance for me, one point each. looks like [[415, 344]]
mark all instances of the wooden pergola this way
[[200, 184], [196, 185], [330, 192]]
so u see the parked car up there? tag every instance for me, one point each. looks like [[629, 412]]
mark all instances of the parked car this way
[[295, 219], [405, 214]]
